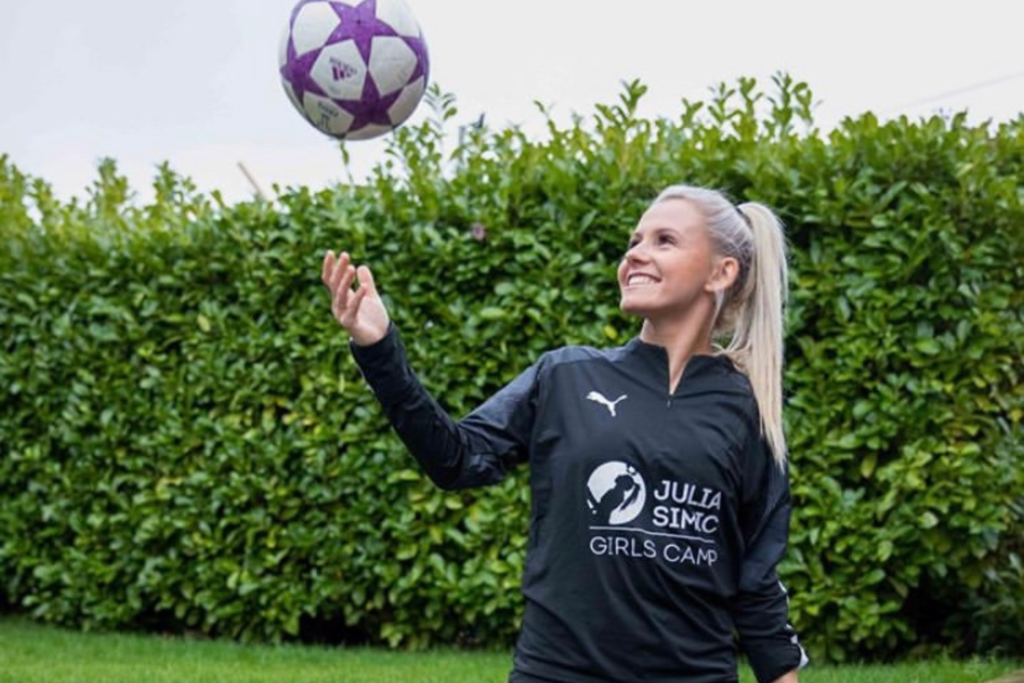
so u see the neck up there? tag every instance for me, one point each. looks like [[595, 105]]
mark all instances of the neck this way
[[682, 339]]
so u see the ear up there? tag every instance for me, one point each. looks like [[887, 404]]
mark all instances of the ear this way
[[724, 272]]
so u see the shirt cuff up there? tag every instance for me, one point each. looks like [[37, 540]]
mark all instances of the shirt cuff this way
[[771, 662]]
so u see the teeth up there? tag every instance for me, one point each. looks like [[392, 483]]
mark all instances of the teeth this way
[[641, 280]]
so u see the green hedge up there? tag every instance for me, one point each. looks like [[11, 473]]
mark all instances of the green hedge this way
[[185, 442]]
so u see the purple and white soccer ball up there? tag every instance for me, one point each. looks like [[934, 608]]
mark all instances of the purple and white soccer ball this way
[[355, 70]]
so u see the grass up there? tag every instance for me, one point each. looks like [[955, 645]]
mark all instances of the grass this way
[[30, 653]]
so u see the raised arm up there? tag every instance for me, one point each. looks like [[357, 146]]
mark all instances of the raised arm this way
[[474, 451]]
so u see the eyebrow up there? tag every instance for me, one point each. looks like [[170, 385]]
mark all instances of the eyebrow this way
[[660, 228]]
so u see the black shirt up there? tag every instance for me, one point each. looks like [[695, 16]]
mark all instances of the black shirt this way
[[657, 519]]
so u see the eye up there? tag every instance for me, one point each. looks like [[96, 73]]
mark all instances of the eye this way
[[666, 238], [633, 241]]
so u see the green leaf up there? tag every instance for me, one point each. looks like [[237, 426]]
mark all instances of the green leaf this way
[[928, 520], [929, 347], [867, 465], [491, 313]]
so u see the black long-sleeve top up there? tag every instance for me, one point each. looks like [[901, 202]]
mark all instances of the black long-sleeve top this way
[[657, 520]]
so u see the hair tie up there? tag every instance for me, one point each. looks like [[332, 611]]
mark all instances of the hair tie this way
[[745, 217]]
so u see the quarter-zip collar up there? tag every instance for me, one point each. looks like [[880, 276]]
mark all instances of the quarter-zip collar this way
[[703, 372]]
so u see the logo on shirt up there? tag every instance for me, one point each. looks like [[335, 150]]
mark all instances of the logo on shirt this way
[[682, 525], [616, 494], [598, 397]]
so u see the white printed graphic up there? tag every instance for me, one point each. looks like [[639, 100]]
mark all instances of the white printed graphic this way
[[597, 397], [680, 527], [616, 494]]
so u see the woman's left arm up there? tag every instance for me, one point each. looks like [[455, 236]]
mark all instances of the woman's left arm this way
[[761, 607]]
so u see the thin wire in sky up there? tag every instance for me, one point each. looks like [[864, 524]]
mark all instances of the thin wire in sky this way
[[965, 89]]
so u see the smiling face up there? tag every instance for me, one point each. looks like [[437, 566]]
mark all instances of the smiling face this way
[[670, 270]]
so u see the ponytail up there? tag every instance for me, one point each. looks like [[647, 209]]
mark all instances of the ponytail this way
[[757, 338], [750, 313]]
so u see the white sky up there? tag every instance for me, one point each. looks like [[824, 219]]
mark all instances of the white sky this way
[[195, 82]]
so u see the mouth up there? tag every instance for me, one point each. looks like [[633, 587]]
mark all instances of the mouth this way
[[641, 280]]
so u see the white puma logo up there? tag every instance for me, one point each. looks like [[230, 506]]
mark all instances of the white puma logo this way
[[596, 397]]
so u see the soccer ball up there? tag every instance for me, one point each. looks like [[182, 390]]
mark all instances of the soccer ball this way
[[355, 70]]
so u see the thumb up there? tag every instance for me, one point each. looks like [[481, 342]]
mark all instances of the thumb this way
[[366, 278]]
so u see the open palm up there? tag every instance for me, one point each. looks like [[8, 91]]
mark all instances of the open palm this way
[[361, 311]]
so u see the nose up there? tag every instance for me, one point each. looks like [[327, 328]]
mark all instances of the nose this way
[[636, 253]]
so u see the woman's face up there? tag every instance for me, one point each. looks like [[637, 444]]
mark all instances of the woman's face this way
[[669, 265]]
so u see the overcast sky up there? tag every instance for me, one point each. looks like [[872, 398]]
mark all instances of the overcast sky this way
[[195, 82]]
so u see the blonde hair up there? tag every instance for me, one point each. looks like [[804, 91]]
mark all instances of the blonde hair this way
[[750, 312]]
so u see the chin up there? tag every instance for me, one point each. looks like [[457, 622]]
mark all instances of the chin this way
[[630, 308]]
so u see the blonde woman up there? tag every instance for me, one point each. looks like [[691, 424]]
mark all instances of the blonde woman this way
[[660, 496]]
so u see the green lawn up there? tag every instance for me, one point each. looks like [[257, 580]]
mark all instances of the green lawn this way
[[30, 653]]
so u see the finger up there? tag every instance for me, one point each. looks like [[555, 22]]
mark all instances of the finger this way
[[341, 268], [328, 267], [342, 291], [348, 278], [366, 279], [352, 310], [337, 309]]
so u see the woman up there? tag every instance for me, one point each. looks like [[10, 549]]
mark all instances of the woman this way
[[660, 496]]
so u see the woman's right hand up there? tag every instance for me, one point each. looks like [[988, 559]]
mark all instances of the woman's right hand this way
[[360, 312]]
